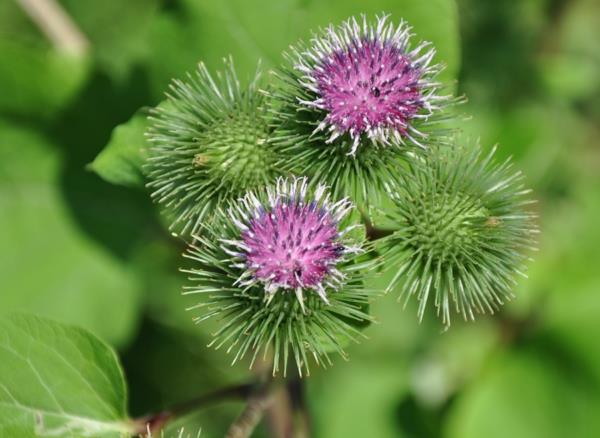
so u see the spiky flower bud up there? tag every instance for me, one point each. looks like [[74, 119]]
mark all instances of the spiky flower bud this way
[[209, 145], [281, 269], [352, 98], [463, 231]]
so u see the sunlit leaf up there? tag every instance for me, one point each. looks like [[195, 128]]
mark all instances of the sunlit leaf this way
[[58, 380], [36, 80]]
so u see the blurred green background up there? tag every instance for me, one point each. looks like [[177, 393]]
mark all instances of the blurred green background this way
[[81, 250]]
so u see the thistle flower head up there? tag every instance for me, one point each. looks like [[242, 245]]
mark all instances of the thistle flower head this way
[[463, 231], [282, 267], [209, 145], [291, 243], [367, 81], [350, 101]]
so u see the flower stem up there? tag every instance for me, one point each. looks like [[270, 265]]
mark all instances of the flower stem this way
[[58, 26], [373, 232], [155, 422], [297, 393], [247, 421]]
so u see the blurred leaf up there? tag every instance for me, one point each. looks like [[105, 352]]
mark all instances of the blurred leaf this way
[[58, 380], [517, 131], [570, 76], [564, 279], [452, 361], [499, 42], [396, 331], [16, 25], [117, 30], [250, 30], [38, 81], [571, 68], [358, 398], [48, 266], [581, 28], [529, 396], [157, 264], [120, 162]]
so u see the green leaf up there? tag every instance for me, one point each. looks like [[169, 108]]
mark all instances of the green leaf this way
[[526, 395], [120, 162], [572, 69], [257, 29], [117, 31], [363, 408], [48, 265], [36, 80], [58, 380], [564, 282]]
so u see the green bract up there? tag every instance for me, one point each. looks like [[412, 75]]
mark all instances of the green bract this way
[[462, 231], [210, 143]]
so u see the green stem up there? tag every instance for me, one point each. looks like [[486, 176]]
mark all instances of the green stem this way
[[155, 422], [374, 233], [247, 421], [297, 393]]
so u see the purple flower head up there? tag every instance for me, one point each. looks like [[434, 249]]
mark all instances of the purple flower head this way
[[290, 240], [368, 81]]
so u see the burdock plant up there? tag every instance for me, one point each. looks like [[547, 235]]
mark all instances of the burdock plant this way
[[263, 182], [290, 193]]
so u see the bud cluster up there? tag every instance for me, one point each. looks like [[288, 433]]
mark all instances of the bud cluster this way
[[262, 180]]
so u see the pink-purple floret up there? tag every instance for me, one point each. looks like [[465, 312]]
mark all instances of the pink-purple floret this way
[[292, 245], [370, 84]]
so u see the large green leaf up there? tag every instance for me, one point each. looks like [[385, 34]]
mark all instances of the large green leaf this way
[[48, 265], [58, 380], [358, 398], [526, 395], [564, 282]]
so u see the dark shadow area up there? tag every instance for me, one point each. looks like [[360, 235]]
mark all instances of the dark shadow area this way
[[165, 366], [499, 42], [115, 216], [419, 421]]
